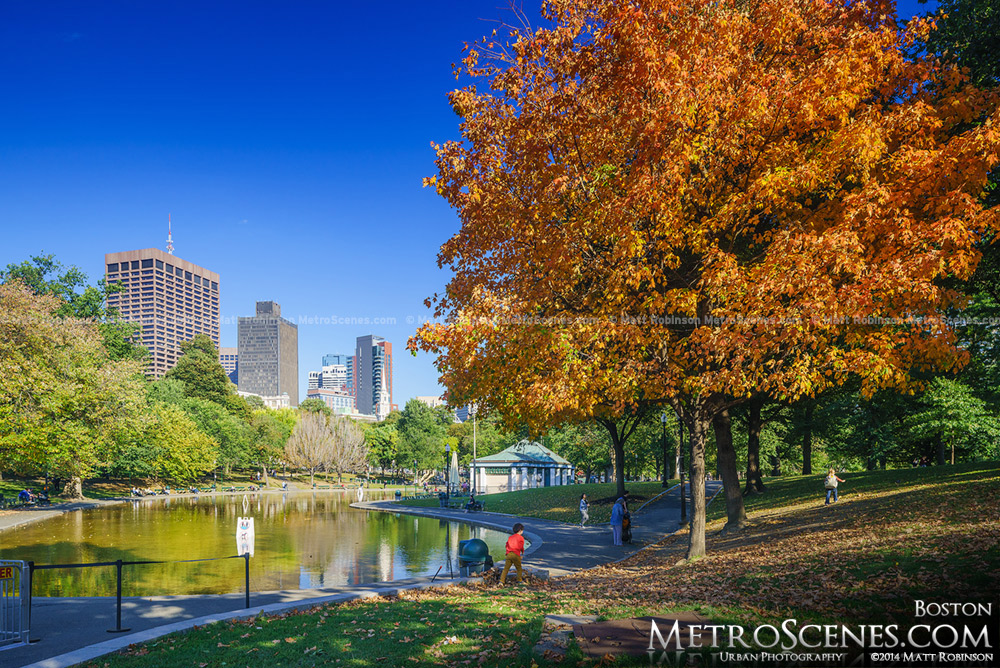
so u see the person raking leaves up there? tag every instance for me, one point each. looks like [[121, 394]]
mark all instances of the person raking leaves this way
[[515, 550]]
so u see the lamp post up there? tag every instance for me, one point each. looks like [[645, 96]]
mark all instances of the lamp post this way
[[414, 477], [680, 429], [663, 443], [472, 409], [447, 472]]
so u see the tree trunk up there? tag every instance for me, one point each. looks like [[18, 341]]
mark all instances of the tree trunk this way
[[736, 514], [940, 451], [74, 488], [807, 441], [699, 426], [755, 481], [618, 444], [263, 477]]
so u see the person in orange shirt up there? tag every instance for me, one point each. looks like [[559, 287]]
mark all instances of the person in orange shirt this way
[[515, 550]]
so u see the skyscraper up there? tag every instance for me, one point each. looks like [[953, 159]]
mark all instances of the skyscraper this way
[[172, 299], [268, 349], [372, 376], [229, 359]]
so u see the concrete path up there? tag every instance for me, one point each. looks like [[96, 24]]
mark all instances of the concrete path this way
[[73, 630]]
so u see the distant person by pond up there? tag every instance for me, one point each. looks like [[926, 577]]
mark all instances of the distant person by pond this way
[[831, 485]]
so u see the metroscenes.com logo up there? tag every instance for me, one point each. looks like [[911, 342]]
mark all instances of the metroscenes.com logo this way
[[942, 634]]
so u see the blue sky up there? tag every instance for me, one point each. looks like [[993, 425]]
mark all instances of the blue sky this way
[[286, 140]]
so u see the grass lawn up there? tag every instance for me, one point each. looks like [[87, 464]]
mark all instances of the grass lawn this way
[[894, 536], [561, 503]]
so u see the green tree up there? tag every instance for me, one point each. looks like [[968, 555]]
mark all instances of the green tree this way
[[44, 275], [270, 431], [230, 434], [315, 405], [968, 32], [949, 418], [65, 405], [200, 371], [181, 451], [421, 436], [486, 431], [587, 446], [166, 391], [382, 440]]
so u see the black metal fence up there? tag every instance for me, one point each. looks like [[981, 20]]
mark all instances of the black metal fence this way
[[119, 565]]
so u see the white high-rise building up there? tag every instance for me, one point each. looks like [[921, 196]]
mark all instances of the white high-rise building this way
[[371, 376], [334, 377]]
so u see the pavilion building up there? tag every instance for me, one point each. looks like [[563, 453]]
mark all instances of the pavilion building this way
[[524, 465]]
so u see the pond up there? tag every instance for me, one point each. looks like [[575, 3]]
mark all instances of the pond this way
[[303, 540]]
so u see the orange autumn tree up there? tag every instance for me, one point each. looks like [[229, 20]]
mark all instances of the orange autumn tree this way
[[687, 202]]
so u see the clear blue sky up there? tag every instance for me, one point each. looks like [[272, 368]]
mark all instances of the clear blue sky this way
[[287, 141]]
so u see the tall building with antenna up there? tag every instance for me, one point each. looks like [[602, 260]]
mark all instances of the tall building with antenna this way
[[172, 299]]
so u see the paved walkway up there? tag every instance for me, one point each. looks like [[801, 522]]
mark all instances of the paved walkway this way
[[68, 628]]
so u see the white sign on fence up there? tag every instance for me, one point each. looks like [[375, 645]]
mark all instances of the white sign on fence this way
[[244, 536]]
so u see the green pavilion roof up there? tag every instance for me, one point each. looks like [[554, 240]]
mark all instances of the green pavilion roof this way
[[527, 452]]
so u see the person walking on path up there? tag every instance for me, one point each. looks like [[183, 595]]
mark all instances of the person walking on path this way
[[584, 509], [831, 485], [617, 517], [515, 550]]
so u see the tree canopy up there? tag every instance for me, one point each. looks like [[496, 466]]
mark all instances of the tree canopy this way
[[692, 202], [200, 371], [65, 405]]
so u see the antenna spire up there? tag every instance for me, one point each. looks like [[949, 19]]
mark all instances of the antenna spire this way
[[170, 237]]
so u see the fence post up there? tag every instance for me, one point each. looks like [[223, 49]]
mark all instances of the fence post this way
[[31, 586], [246, 559], [118, 618]]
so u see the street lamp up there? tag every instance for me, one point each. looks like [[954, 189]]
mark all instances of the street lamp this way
[[680, 440], [447, 467], [414, 477], [663, 442], [472, 409]]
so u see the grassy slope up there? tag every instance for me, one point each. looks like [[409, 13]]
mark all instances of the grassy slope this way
[[894, 536], [561, 503]]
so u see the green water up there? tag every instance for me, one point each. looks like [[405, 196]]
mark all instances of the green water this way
[[303, 540]]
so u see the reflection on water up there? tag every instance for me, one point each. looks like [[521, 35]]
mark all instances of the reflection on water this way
[[303, 540]]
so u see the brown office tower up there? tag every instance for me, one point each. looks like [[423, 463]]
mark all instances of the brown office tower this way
[[171, 298], [268, 351]]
